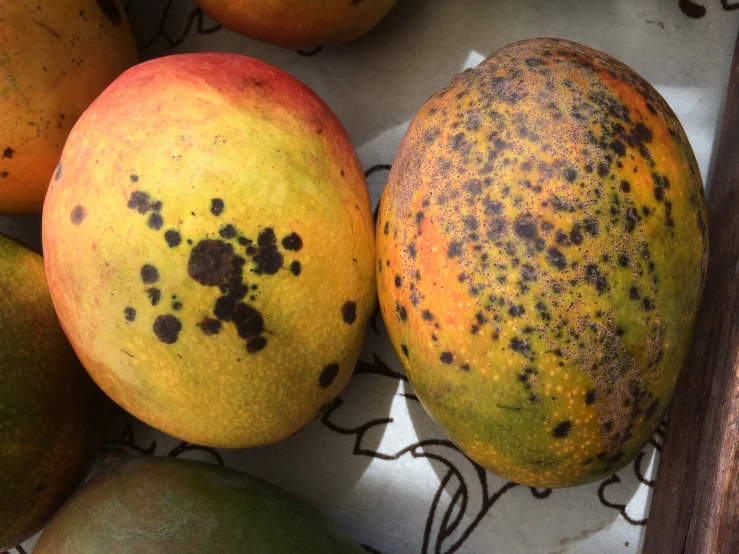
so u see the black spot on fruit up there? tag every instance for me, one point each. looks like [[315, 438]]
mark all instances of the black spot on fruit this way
[[455, 249], [623, 260], [516, 311], [155, 221], [446, 358], [576, 235], [167, 328], [216, 206], [78, 214], [154, 295], [556, 258], [228, 232], [562, 430], [594, 276], [173, 238], [130, 314], [427, 315], [210, 326], [525, 227], [8, 152], [570, 174], [349, 312], [255, 344], [139, 200], [590, 397], [177, 305], [404, 348], [210, 262], [249, 322], [625, 186], [266, 256], [295, 268], [292, 242], [328, 375], [520, 346], [224, 308], [111, 11], [149, 274]]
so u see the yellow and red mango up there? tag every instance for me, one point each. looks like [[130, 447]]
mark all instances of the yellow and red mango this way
[[296, 23], [210, 249], [56, 56], [541, 254]]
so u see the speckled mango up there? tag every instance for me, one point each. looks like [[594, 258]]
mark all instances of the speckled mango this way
[[297, 23], [149, 505], [49, 408], [55, 58], [210, 248], [541, 254]]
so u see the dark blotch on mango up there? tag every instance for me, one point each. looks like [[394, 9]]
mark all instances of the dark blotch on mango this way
[[78, 214], [328, 375], [149, 274], [349, 312], [167, 328], [210, 262]]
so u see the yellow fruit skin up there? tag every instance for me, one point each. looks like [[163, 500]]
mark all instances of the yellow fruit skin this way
[[296, 23], [238, 159], [50, 410], [56, 56], [542, 246]]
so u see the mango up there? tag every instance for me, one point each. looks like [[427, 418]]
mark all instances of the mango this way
[[541, 254], [298, 24], [49, 407], [151, 505], [55, 58], [210, 249]]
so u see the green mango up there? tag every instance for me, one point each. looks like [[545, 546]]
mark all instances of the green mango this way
[[159, 505], [49, 407]]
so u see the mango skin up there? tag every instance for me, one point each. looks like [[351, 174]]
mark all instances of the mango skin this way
[[298, 24], [56, 57], [49, 407], [210, 248], [150, 505], [541, 254]]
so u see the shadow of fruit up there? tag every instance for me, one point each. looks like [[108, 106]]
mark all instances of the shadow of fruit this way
[[49, 408], [211, 253], [541, 255], [56, 58]]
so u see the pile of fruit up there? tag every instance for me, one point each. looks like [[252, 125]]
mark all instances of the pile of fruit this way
[[211, 263]]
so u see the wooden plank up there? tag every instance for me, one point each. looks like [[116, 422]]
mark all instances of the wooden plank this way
[[695, 507]]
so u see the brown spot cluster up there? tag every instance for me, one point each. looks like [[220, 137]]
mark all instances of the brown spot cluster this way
[[221, 263], [540, 177]]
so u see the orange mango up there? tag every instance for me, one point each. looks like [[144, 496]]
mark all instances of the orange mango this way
[[56, 56]]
